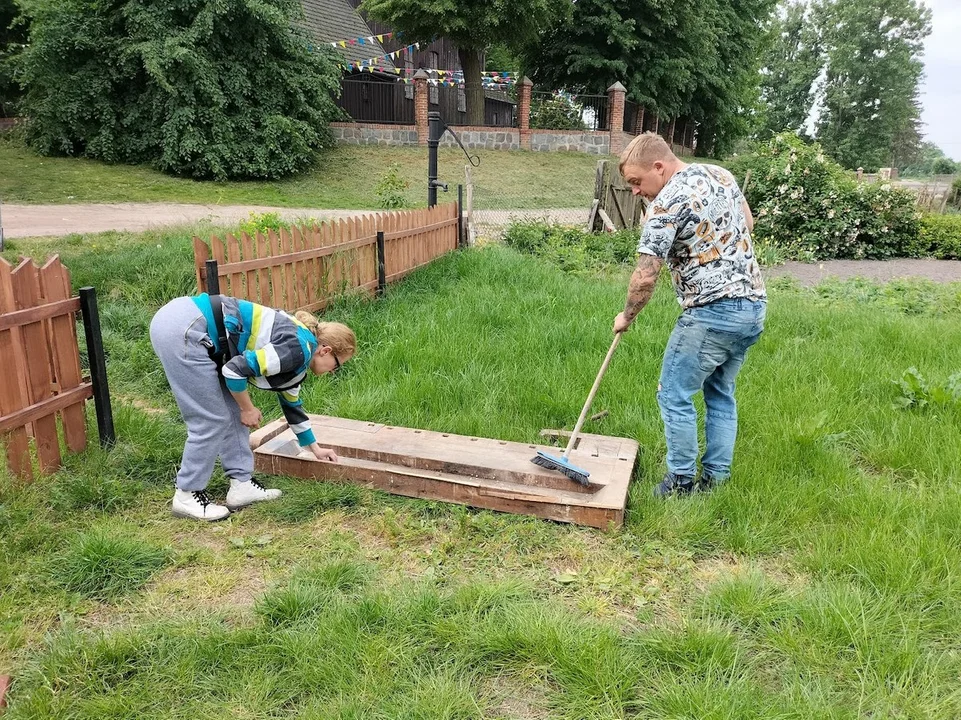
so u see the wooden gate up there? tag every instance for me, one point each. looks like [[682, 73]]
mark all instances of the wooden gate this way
[[40, 357], [615, 206]]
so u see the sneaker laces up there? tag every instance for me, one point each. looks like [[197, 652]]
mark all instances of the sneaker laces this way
[[253, 481], [202, 497]]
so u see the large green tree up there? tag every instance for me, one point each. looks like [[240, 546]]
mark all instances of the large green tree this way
[[13, 36], [473, 26], [788, 69], [872, 71], [206, 88]]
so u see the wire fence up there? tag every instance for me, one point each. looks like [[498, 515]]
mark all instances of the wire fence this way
[[564, 111]]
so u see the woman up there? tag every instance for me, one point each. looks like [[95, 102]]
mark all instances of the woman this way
[[269, 348]]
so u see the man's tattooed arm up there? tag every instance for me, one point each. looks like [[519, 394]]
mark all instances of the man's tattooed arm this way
[[643, 281]]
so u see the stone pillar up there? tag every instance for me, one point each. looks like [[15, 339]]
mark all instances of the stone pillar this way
[[421, 97], [524, 112], [615, 101]]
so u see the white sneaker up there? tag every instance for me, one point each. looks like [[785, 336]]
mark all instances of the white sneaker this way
[[197, 505], [242, 494]]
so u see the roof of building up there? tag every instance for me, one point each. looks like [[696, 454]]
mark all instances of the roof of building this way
[[334, 20]]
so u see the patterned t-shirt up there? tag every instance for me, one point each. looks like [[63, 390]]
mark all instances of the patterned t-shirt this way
[[697, 225]]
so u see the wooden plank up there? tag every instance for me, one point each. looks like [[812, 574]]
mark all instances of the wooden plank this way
[[291, 300], [592, 216], [252, 284], [26, 288], [60, 308], [47, 408], [264, 290], [475, 471], [276, 273], [201, 256], [13, 395], [55, 285], [415, 230], [608, 225], [235, 279]]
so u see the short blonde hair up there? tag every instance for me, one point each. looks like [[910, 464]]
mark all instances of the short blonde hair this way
[[645, 150], [337, 336]]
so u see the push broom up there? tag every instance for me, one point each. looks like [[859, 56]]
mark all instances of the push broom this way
[[561, 464]]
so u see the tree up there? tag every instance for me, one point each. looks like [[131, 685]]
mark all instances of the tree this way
[[930, 160], [206, 88], [789, 69], [13, 36], [473, 26], [872, 70]]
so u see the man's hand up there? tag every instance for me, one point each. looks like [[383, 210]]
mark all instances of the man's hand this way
[[251, 418], [325, 454], [621, 323]]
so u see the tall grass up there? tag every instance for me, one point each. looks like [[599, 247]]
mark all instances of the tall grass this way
[[822, 581]]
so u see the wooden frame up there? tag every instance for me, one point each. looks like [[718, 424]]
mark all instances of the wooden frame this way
[[479, 472]]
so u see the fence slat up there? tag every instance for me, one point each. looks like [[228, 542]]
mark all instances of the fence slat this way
[[235, 287], [26, 288], [201, 256], [290, 288], [300, 268], [13, 395], [276, 275], [252, 284], [55, 284]]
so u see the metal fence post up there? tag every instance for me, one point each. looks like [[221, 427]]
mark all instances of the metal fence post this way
[[213, 278], [98, 365], [381, 265], [434, 132], [460, 217]]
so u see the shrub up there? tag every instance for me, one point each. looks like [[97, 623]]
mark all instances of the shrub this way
[[222, 89], [262, 223], [804, 203], [941, 236], [391, 188], [573, 249], [558, 112]]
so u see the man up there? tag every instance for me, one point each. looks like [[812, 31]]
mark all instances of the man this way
[[699, 224]]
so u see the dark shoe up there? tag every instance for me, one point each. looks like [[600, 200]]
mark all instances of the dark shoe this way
[[674, 485], [706, 483]]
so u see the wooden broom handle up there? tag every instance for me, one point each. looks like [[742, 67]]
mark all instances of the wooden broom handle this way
[[590, 397]]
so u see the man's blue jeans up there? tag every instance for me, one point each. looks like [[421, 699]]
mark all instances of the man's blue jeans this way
[[705, 352]]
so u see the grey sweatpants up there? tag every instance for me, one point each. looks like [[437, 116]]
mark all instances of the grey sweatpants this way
[[209, 410]]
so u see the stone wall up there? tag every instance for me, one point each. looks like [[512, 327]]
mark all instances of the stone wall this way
[[484, 138], [363, 134], [595, 143]]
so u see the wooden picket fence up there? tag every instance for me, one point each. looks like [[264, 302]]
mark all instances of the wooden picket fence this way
[[40, 357], [304, 268]]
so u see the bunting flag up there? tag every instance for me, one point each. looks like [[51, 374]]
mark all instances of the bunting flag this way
[[377, 62], [369, 40]]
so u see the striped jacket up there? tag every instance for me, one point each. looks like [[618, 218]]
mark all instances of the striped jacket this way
[[269, 349]]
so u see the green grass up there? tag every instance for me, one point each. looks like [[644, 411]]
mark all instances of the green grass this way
[[822, 581], [345, 177]]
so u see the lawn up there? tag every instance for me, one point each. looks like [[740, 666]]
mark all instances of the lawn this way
[[824, 581], [343, 178]]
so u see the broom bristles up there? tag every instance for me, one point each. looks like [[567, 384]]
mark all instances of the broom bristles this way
[[552, 463]]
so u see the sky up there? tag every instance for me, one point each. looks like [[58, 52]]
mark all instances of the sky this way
[[941, 89]]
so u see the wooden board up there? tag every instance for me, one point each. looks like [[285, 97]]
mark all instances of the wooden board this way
[[479, 472]]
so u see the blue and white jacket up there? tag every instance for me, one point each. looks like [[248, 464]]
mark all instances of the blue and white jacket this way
[[268, 348]]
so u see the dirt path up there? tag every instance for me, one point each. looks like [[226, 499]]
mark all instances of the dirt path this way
[[46, 220], [55, 220], [810, 274]]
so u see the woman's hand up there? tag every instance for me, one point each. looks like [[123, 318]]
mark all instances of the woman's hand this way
[[251, 418], [325, 454]]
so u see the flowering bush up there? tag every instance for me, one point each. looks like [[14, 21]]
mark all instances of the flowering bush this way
[[804, 203]]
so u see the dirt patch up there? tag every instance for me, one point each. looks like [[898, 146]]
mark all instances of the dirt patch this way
[[812, 274], [709, 571]]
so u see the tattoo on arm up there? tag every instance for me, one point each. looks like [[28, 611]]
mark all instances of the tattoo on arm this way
[[642, 285]]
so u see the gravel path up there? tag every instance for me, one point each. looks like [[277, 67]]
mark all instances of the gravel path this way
[[810, 274]]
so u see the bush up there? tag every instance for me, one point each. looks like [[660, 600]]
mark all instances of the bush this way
[[391, 188], [941, 236], [573, 249], [558, 112], [222, 89], [804, 203]]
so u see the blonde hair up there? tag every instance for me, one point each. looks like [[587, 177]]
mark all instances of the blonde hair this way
[[337, 336], [645, 150]]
